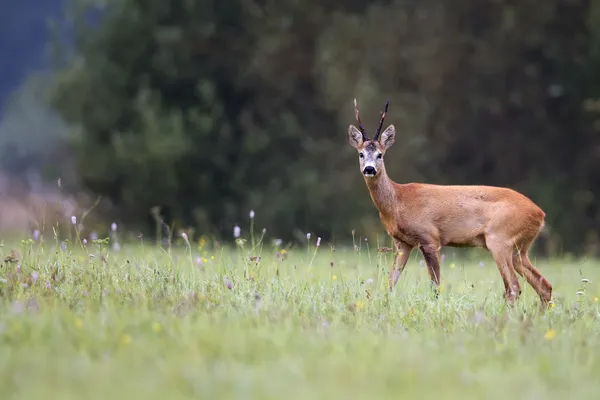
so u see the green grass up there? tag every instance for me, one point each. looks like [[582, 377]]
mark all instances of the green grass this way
[[151, 323]]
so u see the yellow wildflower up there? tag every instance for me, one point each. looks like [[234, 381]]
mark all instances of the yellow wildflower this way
[[212, 257], [595, 299], [452, 265], [550, 334], [125, 340], [552, 305], [334, 277], [156, 327], [359, 304], [78, 323], [283, 251]]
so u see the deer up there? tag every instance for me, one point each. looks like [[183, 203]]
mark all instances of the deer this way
[[430, 216]]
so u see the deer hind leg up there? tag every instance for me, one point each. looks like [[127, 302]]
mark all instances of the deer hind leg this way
[[535, 279], [503, 256], [400, 259], [431, 253]]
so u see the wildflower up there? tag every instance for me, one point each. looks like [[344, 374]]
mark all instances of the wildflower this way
[[199, 260], [227, 283], [452, 265], [78, 323], [251, 214], [93, 236], [48, 285], [74, 220], [595, 299], [125, 340], [550, 334], [552, 305], [84, 241], [481, 264], [156, 327], [236, 231], [360, 305], [185, 237], [63, 245], [308, 236], [369, 281], [277, 242], [34, 276], [212, 257], [334, 277], [113, 227], [36, 234], [318, 241]]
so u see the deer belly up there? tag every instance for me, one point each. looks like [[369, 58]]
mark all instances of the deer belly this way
[[472, 241]]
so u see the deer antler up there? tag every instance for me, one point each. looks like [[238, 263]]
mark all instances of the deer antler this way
[[387, 103], [362, 130]]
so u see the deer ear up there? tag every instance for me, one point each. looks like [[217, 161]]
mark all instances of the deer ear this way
[[355, 137], [388, 137]]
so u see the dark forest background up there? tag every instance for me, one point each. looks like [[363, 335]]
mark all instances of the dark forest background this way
[[210, 109]]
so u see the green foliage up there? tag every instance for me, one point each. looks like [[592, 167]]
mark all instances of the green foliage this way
[[212, 108]]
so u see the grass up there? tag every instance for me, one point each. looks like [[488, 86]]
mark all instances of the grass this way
[[154, 323]]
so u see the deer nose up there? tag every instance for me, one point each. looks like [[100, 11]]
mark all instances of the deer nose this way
[[369, 171]]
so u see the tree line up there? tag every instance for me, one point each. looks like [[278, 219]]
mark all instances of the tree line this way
[[212, 108]]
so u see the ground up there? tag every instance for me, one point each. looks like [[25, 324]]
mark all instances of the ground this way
[[199, 321]]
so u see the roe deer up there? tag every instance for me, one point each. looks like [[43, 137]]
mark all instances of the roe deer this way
[[429, 216]]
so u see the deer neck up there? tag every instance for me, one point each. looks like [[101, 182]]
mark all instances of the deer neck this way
[[383, 194]]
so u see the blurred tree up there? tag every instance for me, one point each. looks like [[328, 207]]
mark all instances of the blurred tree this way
[[212, 108]]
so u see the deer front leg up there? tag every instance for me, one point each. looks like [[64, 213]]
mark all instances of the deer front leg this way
[[400, 259], [431, 253]]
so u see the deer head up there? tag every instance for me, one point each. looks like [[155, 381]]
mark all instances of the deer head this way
[[371, 151]]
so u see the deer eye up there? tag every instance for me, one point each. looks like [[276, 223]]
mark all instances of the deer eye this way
[[379, 155], [361, 155]]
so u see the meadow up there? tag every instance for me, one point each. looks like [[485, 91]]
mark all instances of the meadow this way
[[257, 320]]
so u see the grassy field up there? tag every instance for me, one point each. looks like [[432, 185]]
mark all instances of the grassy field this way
[[199, 321]]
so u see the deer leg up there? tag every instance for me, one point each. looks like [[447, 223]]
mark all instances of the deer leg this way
[[431, 253], [503, 256], [400, 259], [535, 279]]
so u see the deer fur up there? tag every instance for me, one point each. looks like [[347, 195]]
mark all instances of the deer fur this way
[[428, 216]]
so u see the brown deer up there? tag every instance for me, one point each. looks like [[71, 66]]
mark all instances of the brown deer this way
[[429, 216]]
